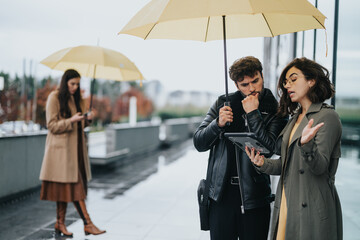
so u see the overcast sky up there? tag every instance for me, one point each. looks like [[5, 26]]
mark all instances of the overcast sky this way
[[34, 29]]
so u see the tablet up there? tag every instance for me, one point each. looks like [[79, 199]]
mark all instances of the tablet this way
[[246, 139]]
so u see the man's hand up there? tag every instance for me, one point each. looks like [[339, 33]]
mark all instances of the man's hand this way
[[251, 103], [225, 115]]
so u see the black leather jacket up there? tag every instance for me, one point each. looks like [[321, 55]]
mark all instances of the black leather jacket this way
[[255, 186]]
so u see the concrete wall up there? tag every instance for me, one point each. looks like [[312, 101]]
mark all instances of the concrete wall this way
[[21, 156], [20, 162], [132, 139], [173, 130]]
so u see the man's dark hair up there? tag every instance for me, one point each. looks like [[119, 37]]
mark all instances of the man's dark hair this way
[[245, 66], [323, 89]]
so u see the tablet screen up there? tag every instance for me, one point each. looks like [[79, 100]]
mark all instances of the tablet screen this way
[[247, 139]]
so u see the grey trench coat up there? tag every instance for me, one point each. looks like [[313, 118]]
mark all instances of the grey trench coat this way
[[308, 177]]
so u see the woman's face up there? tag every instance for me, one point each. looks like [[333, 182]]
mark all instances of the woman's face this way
[[73, 84], [296, 85]]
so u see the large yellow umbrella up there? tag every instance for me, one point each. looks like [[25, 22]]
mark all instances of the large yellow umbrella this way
[[94, 62], [206, 20]]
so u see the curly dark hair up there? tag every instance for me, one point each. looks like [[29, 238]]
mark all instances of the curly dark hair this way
[[64, 94], [323, 89], [245, 66]]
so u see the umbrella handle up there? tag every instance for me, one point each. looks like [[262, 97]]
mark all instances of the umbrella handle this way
[[227, 104]]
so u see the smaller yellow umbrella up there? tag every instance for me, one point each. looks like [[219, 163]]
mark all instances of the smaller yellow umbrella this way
[[94, 62]]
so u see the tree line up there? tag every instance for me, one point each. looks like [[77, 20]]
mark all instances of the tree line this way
[[24, 98]]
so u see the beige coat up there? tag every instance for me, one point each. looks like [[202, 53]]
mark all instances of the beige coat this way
[[60, 163]]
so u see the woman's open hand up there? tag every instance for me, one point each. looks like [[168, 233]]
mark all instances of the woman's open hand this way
[[309, 132], [257, 159]]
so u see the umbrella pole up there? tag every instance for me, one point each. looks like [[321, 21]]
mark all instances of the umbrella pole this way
[[336, 24], [91, 92], [92, 88], [227, 103], [225, 61]]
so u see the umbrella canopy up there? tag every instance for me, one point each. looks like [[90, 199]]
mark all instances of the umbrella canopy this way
[[94, 62], [206, 20], [202, 19]]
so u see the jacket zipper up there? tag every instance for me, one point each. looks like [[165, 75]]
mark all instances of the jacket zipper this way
[[239, 176], [238, 168], [246, 122]]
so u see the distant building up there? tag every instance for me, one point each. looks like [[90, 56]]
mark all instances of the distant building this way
[[156, 92], [202, 99], [178, 98], [194, 98]]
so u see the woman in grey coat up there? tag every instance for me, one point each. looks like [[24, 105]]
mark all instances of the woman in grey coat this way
[[307, 205]]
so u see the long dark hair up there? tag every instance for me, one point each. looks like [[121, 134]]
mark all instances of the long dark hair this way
[[323, 89], [64, 94]]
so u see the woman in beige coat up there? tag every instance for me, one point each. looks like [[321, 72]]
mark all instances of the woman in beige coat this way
[[307, 205], [65, 170]]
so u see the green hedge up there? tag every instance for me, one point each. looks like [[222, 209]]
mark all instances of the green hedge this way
[[349, 116], [181, 112]]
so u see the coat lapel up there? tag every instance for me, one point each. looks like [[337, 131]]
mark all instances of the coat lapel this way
[[299, 130], [315, 107], [286, 135]]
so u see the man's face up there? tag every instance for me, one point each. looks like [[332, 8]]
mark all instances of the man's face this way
[[251, 85]]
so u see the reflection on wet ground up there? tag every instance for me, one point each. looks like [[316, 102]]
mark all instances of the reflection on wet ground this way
[[115, 179], [348, 187], [153, 197], [29, 218]]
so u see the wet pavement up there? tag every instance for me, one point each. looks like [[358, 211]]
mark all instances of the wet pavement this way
[[153, 197]]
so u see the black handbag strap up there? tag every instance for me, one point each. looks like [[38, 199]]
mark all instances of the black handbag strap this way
[[208, 176]]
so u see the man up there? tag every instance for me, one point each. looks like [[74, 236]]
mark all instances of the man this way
[[239, 199]]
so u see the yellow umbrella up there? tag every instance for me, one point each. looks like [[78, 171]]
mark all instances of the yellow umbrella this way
[[206, 20], [95, 62]]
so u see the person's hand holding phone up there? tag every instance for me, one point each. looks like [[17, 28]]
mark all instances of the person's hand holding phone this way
[[225, 115], [257, 159], [77, 117], [89, 115]]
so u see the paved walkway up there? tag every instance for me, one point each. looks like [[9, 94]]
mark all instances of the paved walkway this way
[[161, 207], [153, 198]]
